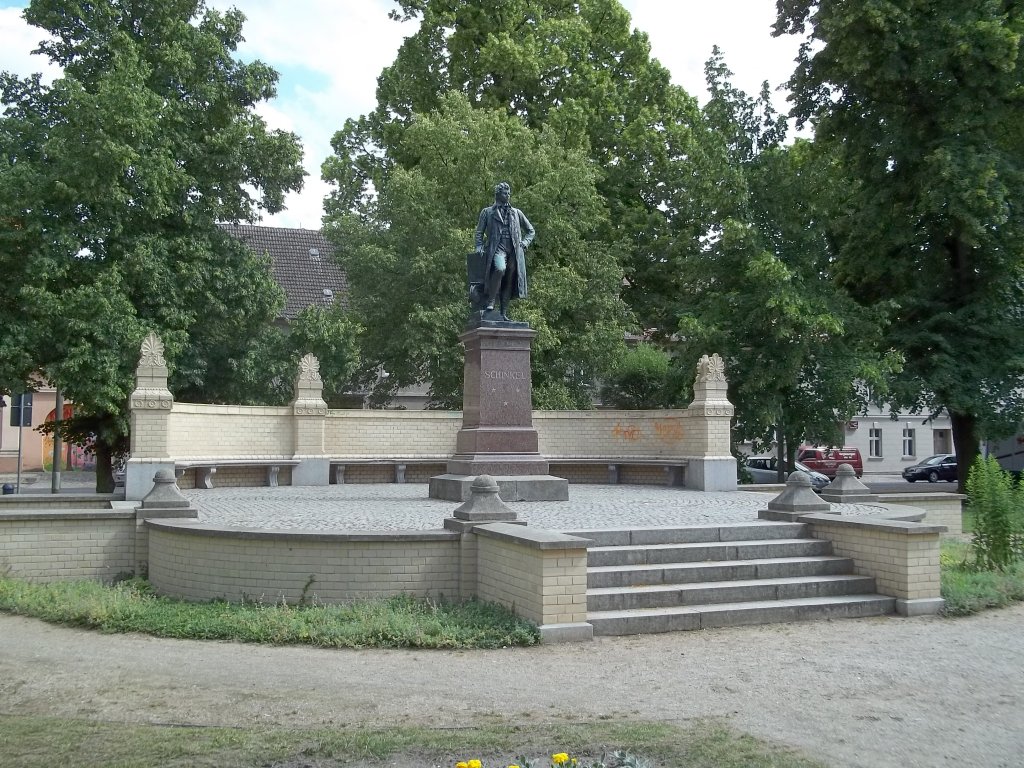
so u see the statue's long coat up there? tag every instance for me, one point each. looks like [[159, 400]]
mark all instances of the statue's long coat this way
[[522, 235]]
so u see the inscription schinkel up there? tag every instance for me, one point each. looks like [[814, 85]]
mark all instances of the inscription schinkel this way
[[504, 375]]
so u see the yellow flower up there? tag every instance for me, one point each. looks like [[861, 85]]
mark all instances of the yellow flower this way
[[559, 758], [474, 763], [513, 766], [462, 765]]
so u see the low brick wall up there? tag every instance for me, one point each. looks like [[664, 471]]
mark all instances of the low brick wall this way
[[200, 562], [940, 508], [200, 430], [541, 575], [60, 544], [902, 557]]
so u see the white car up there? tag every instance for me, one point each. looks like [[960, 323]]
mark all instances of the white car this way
[[764, 469]]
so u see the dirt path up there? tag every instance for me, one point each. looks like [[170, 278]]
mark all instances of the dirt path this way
[[871, 692]]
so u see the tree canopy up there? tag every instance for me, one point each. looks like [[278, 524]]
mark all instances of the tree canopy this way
[[920, 104], [577, 71], [801, 354], [404, 251], [112, 180]]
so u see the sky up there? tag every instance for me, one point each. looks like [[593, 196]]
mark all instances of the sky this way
[[329, 54]]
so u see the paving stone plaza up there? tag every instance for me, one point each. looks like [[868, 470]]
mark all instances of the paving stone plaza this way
[[398, 506]]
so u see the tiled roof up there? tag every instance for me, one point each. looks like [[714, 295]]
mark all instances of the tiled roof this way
[[302, 263]]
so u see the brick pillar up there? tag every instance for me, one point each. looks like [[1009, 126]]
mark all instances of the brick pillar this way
[[151, 403], [309, 412], [712, 466]]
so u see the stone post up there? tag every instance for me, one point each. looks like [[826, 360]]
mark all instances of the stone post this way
[[310, 414], [151, 403], [163, 501], [712, 466], [497, 436]]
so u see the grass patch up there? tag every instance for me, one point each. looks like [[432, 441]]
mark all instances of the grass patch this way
[[393, 622], [41, 742], [968, 589]]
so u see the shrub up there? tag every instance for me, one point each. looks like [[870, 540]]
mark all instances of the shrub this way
[[638, 380], [997, 506]]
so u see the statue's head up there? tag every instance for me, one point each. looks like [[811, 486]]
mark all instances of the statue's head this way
[[503, 192]]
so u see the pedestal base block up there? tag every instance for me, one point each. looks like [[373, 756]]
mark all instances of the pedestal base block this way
[[458, 487]]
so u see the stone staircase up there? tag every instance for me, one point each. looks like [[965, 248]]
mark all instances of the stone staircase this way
[[668, 579]]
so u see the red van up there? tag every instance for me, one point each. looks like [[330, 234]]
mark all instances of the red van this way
[[827, 460]]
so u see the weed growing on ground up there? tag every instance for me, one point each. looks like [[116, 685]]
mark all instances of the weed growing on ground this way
[[997, 507], [967, 589], [401, 621]]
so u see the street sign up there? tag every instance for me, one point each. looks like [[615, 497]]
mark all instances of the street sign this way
[[21, 410]]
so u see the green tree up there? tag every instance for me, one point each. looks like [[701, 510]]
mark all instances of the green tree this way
[[921, 103], [111, 182], [801, 354], [577, 71], [404, 251]]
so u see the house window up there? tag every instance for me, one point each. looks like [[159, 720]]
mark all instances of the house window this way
[[875, 443], [908, 442]]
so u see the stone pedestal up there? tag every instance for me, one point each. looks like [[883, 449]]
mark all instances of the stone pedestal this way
[[497, 436]]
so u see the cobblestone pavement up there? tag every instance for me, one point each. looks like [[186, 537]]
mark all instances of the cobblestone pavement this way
[[407, 507]]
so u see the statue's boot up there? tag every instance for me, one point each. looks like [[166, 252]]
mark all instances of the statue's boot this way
[[493, 289]]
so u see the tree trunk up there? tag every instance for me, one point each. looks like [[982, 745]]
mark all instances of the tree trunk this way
[[780, 454], [104, 468], [965, 443]]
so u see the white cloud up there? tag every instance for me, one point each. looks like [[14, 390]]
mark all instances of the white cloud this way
[[19, 40]]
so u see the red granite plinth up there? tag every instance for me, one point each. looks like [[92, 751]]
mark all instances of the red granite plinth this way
[[497, 436]]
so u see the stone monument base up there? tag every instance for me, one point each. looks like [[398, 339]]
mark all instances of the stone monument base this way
[[511, 488]]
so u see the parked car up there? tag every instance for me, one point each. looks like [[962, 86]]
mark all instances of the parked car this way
[[764, 469], [941, 466], [827, 460]]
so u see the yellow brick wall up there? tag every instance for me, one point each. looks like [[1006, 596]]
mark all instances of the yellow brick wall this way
[[581, 473], [230, 430], [211, 431], [904, 566], [369, 433], [205, 567], [54, 547], [545, 586], [598, 434]]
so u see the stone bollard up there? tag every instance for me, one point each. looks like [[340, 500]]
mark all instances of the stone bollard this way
[[165, 500], [797, 499], [847, 489], [484, 503]]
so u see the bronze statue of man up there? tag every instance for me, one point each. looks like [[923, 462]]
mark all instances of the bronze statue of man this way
[[503, 234]]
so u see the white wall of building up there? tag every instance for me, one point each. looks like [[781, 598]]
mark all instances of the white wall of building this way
[[888, 444]]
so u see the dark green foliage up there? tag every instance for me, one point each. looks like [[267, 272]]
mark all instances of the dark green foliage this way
[[798, 351], [997, 508], [919, 102], [639, 379], [394, 622], [112, 180]]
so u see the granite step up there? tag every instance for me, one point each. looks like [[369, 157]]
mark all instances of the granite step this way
[[671, 619], [713, 592], [713, 532], [695, 552], [716, 570]]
